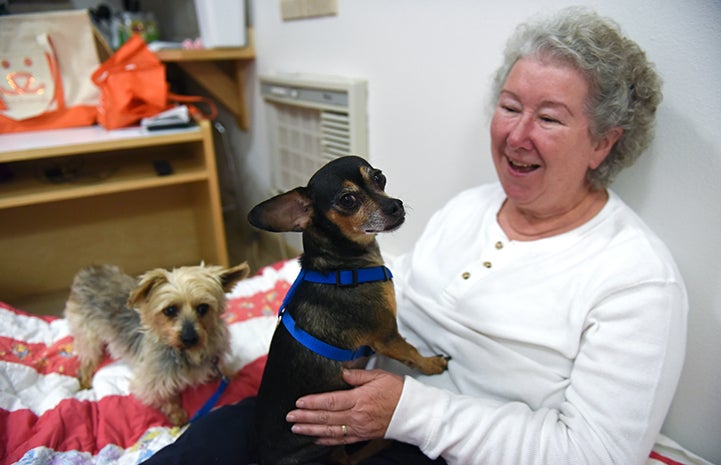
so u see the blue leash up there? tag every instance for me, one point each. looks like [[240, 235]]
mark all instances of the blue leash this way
[[208, 405], [340, 278]]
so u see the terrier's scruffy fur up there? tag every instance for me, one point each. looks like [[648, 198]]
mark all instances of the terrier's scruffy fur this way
[[165, 324]]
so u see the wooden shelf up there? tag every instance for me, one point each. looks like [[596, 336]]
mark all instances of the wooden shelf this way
[[60, 142], [30, 189], [207, 54], [111, 206], [220, 71]]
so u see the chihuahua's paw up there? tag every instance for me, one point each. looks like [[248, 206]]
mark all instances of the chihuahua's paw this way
[[434, 365]]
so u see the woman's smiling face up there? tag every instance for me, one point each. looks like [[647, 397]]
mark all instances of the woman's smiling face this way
[[540, 138]]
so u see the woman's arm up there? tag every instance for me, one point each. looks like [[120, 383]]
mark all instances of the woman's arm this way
[[618, 392]]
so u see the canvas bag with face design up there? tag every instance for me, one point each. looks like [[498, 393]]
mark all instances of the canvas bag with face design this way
[[46, 60]]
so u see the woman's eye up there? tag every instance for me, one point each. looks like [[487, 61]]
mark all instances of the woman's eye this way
[[348, 201], [548, 119], [509, 109]]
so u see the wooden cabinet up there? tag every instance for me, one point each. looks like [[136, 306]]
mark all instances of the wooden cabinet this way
[[74, 197]]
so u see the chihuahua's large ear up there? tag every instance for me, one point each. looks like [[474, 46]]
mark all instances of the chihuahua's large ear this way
[[287, 212]]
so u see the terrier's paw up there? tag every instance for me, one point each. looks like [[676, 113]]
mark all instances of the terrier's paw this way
[[226, 372], [176, 415], [86, 379]]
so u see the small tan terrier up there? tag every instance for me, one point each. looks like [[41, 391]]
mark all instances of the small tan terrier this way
[[166, 325]]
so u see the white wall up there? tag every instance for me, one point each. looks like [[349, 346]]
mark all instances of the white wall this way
[[428, 64]]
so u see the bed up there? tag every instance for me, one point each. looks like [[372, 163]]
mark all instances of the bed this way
[[46, 419]]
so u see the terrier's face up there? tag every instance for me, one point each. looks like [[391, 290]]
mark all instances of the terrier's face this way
[[183, 307]]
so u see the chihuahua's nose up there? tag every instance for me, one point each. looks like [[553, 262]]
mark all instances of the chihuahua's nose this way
[[188, 335], [394, 208]]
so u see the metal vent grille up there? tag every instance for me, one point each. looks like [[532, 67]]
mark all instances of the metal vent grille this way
[[335, 133], [311, 121]]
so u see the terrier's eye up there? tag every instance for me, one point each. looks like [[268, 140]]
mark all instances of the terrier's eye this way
[[202, 309], [348, 201], [171, 311]]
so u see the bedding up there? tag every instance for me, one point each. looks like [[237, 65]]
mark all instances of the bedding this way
[[46, 419]]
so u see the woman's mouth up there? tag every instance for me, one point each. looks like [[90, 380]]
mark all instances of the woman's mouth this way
[[522, 168]]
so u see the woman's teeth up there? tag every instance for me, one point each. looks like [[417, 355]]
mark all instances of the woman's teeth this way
[[522, 167]]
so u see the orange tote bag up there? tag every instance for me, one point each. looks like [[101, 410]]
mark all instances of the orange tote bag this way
[[132, 85]]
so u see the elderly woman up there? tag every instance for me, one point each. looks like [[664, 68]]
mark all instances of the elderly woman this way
[[564, 314]]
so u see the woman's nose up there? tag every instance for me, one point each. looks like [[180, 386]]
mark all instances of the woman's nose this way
[[520, 132]]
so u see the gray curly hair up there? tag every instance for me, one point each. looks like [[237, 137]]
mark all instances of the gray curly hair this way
[[624, 88]]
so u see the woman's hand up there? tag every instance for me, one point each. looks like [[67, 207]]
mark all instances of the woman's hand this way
[[345, 417]]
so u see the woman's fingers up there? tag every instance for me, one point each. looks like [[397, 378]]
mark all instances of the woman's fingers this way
[[344, 417]]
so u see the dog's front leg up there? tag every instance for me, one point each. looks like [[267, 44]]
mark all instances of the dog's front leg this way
[[168, 402], [173, 409], [399, 349], [222, 370]]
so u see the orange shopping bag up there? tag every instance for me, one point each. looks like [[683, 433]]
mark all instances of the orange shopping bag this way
[[132, 85]]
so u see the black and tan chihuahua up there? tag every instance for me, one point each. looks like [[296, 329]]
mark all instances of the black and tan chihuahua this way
[[341, 307]]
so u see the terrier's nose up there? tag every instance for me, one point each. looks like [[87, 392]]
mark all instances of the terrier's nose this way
[[188, 335]]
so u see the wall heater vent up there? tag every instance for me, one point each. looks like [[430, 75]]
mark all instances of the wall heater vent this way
[[312, 120]]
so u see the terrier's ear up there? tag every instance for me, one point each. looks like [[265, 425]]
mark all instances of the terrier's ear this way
[[230, 276], [147, 282], [287, 212]]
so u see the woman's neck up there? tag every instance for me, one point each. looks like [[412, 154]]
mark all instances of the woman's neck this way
[[521, 224]]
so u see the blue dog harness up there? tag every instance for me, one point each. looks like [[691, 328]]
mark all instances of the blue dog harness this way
[[340, 278]]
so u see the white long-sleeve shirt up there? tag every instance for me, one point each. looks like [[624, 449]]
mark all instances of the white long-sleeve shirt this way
[[565, 350]]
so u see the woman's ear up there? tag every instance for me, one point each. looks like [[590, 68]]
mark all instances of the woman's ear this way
[[603, 146]]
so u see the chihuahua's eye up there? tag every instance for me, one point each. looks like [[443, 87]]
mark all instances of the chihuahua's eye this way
[[348, 201], [171, 311], [202, 309], [379, 179]]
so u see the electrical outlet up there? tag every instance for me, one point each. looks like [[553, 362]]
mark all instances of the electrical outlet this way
[[298, 9]]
